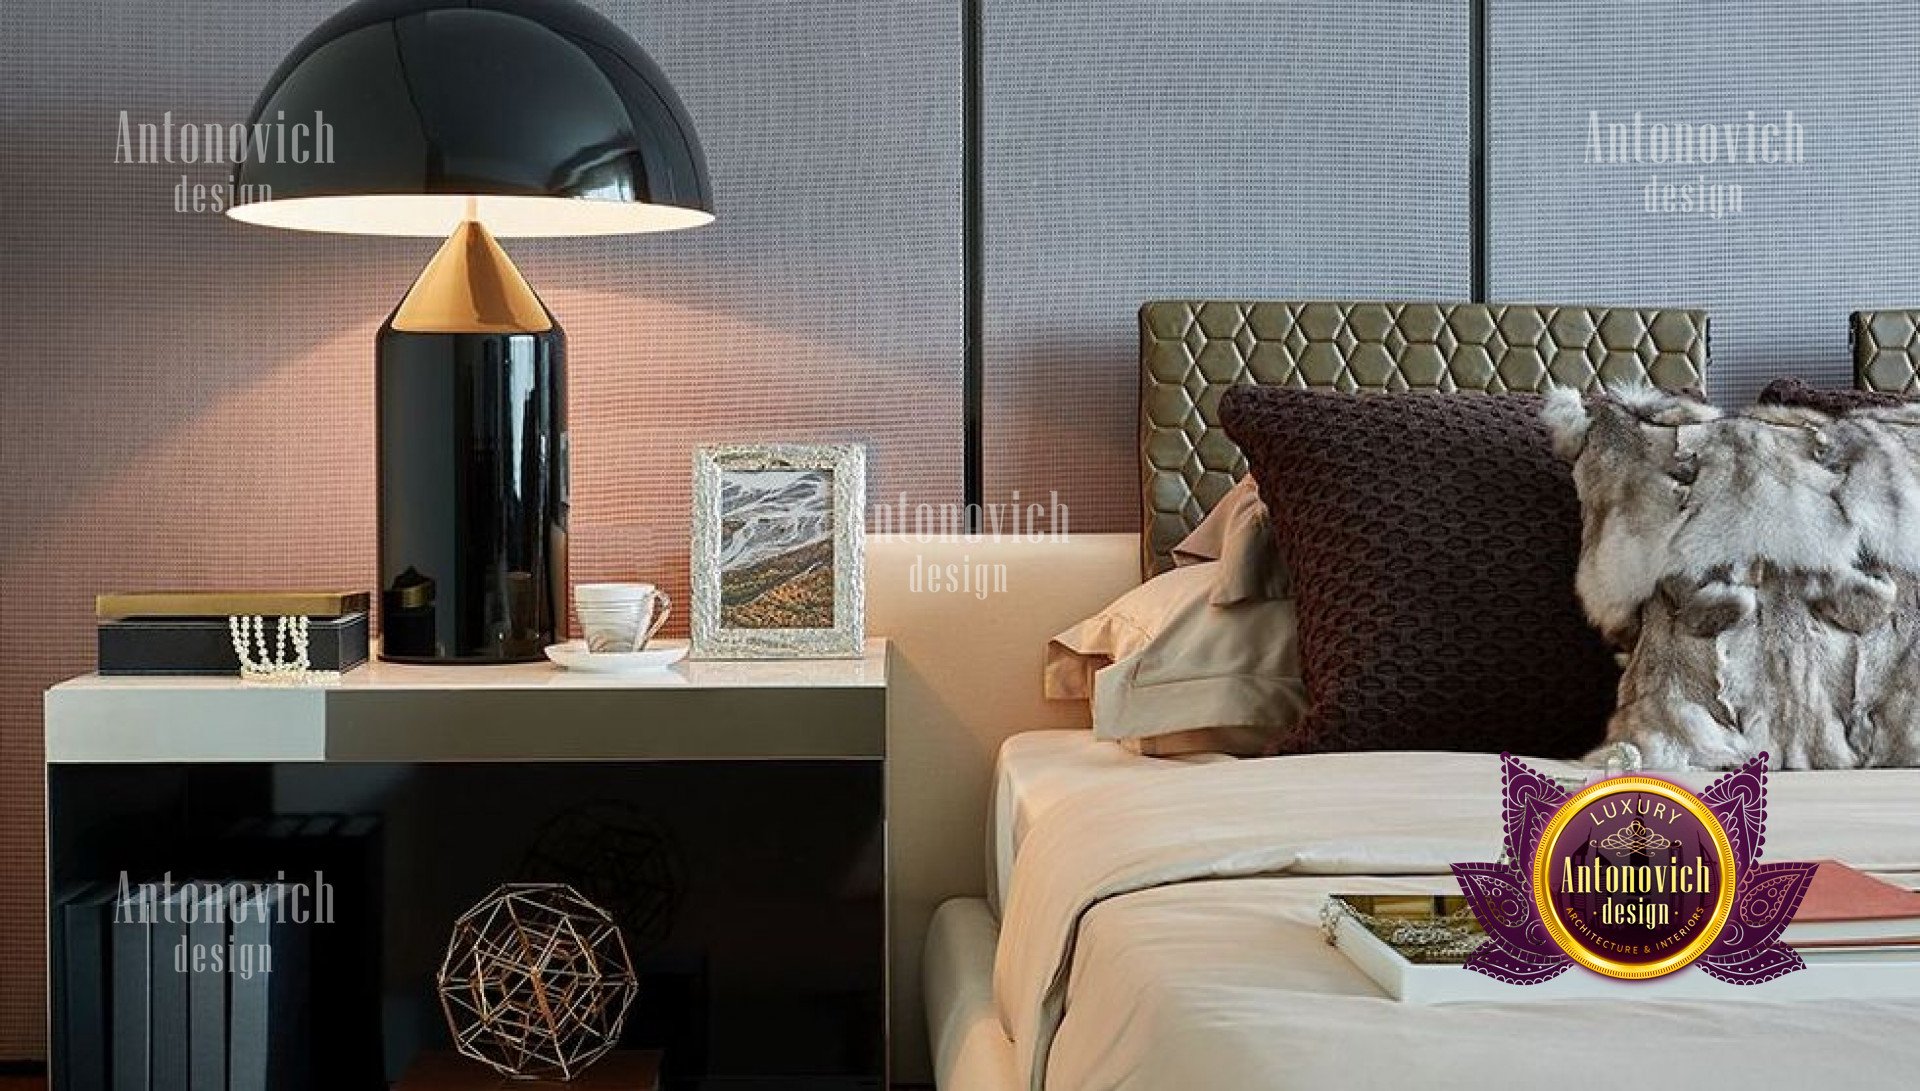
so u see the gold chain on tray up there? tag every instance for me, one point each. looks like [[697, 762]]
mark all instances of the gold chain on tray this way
[[1448, 937]]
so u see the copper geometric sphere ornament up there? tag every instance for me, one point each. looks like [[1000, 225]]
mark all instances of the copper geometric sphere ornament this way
[[536, 982]]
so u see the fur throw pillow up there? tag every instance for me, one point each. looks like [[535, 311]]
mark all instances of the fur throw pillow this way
[[1763, 571]]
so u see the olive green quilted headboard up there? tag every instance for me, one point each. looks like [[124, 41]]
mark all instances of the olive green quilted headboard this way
[[1191, 352], [1886, 351]]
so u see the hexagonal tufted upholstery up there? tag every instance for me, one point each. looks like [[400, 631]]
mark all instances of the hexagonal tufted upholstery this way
[[1191, 352], [1886, 351]]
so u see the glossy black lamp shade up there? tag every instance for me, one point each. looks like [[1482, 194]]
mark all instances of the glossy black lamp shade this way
[[545, 114]]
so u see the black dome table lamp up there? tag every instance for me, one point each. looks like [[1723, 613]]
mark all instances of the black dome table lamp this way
[[471, 120]]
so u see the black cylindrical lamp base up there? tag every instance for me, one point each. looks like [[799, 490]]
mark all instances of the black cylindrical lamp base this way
[[473, 538]]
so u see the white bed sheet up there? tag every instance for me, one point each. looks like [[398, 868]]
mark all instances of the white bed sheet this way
[[1169, 982], [1229, 985], [1036, 770], [1168, 938]]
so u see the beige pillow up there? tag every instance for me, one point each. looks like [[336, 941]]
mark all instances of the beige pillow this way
[[1237, 534], [1127, 625], [1169, 672]]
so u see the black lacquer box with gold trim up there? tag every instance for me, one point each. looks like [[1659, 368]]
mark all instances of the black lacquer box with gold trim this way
[[204, 645]]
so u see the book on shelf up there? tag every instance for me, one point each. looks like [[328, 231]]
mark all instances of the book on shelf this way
[[207, 992], [131, 931], [345, 851], [1846, 908], [216, 985], [82, 1036], [1415, 948], [268, 1029], [346, 949], [168, 1028]]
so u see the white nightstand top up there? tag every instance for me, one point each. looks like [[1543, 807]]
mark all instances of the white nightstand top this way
[[817, 708], [870, 670]]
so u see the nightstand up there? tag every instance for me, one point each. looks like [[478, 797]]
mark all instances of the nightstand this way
[[770, 777]]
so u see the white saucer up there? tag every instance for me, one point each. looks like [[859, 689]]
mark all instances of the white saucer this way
[[659, 655]]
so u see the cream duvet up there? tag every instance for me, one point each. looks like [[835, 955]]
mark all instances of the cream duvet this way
[[1168, 938]]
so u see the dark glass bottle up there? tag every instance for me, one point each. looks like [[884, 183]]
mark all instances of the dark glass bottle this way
[[473, 466]]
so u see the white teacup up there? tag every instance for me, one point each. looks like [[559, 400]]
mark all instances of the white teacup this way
[[620, 617]]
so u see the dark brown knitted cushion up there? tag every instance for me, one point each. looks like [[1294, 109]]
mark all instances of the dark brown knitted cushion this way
[[1834, 403], [1433, 540]]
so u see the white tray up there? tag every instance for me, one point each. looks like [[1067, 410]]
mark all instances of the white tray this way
[[1849, 975]]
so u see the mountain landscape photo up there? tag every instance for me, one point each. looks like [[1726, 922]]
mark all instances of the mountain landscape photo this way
[[776, 549]]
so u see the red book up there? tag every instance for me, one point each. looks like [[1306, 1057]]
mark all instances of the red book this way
[[1847, 907]]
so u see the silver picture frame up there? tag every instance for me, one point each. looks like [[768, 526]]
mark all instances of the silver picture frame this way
[[776, 528]]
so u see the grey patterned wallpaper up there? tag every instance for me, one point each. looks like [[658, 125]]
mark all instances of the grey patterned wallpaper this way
[[1138, 149], [1794, 246]]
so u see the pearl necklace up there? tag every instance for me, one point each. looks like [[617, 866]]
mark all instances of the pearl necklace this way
[[249, 635]]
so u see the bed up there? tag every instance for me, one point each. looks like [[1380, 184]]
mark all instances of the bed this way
[[1157, 923], [1035, 774], [1039, 771]]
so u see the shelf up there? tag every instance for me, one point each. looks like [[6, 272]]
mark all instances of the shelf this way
[[385, 712]]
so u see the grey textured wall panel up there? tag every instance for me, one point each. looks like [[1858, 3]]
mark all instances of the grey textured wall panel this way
[[1811, 241], [1139, 150], [189, 399]]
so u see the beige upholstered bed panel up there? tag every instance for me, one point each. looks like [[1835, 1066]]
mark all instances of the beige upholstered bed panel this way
[[965, 675], [1191, 352], [1886, 351]]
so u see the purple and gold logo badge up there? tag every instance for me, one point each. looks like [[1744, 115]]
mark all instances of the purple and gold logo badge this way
[[1634, 877]]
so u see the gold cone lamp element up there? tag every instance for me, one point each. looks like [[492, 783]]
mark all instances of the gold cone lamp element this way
[[471, 286]]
